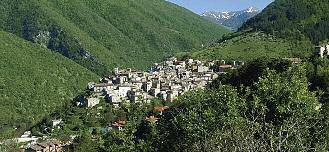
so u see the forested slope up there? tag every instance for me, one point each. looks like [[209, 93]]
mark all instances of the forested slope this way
[[294, 19], [33, 82], [103, 34]]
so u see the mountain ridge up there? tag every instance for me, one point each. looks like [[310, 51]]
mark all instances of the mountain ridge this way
[[231, 19], [294, 19]]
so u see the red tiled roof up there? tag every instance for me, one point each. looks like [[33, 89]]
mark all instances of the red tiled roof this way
[[226, 66], [103, 85], [119, 123], [161, 108]]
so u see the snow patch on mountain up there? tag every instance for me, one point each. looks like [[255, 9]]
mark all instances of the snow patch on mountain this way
[[231, 19]]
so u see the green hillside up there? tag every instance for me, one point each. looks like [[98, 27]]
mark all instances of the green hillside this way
[[294, 19], [286, 28], [247, 46], [106, 33], [33, 82]]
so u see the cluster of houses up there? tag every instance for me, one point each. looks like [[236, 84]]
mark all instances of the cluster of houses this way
[[322, 50], [46, 146], [166, 81]]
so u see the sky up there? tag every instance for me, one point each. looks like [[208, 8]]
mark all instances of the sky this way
[[200, 6]]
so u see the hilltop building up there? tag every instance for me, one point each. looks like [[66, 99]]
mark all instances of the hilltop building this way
[[322, 51]]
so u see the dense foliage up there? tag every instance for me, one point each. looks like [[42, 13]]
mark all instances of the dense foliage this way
[[277, 113], [102, 34], [33, 82], [295, 19]]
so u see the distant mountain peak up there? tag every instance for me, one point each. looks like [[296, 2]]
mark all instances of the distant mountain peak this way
[[252, 9], [231, 19]]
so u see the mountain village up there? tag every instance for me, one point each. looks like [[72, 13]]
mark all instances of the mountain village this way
[[166, 81]]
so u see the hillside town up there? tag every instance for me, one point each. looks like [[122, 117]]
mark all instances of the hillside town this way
[[166, 81]]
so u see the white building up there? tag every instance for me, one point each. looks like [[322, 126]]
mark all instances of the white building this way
[[320, 50], [91, 102], [147, 86], [56, 122], [123, 90], [155, 91], [172, 95], [202, 69], [102, 87]]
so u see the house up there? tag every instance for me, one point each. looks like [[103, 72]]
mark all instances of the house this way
[[147, 86], [116, 71], [190, 61], [320, 50], [26, 134], [225, 68], [122, 79], [102, 86], [113, 97], [118, 125], [92, 101], [163, 95], [202, 69], [138, 83], [156, 83], [91, 86], [115, 100], [207, 77], [155, 92], [56, 122], [133, 96], [47, 146], [123, 90], [161, 109], [174, 59]]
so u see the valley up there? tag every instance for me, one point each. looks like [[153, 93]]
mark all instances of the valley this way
[[151, 75]]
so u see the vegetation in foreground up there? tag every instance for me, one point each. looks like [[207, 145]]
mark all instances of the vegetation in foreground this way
[[273, 107]]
